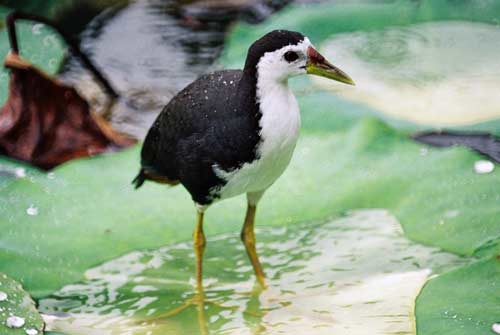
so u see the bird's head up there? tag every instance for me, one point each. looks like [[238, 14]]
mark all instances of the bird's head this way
[[282, 54]]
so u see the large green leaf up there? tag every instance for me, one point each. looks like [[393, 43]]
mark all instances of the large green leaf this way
[[462, 302], [18, 313], [322, 21], [87, 211], [353, 275], [38, 44], [403, 65]]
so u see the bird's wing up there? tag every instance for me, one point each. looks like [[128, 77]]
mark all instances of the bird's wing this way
[[205, 124]]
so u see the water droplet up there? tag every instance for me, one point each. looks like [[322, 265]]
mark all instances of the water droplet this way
[[451, 214], [206, 97], [14, 322], [3, 296], [424, 151], [32, 210], [483, 166], [51, 175], [31, 331], [49, 41], [37, 28], [52, 63], [20, 172], [496, 328]]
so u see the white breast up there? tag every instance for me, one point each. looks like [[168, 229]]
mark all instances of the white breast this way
[[280, 124]]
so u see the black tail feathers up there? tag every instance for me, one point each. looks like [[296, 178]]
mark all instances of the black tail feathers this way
[[139, 179]]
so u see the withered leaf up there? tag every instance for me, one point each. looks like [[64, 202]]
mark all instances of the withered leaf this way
[[47, 123]]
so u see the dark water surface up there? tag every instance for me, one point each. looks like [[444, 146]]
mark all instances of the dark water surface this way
[[152, 49]]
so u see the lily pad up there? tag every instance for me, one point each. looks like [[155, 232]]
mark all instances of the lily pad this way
[[86, 210], [18, 313], [436, 73], [461, 302], [360, 25], [38, 44], [352, 275]]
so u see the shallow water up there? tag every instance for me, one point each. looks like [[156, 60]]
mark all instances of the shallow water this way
[[432, 73], [353, 275]]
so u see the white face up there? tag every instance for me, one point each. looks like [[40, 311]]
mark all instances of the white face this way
[[284, 63]]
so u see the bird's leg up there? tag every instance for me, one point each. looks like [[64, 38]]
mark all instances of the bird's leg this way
[[248, 237], [198, 300], [199, 248]]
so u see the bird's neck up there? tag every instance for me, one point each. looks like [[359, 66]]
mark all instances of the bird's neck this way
[[280, 116], [270, 96], [274, 95]]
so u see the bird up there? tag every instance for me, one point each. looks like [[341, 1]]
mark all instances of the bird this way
[[233, 132]]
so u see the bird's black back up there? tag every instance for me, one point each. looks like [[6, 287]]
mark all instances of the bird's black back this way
[[212, 122]]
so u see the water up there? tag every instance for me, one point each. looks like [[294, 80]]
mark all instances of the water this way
[[483, 166], [152, 49], [32, 210], [432, 73], [14, 322], [354, 275]]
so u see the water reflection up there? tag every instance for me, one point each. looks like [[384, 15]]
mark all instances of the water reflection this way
[[352, 275]]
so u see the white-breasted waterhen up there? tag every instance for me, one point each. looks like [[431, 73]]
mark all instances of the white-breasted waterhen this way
[[234, 131]]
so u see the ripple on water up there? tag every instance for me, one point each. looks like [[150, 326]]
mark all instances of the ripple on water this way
[[354, 275], [434, 73]]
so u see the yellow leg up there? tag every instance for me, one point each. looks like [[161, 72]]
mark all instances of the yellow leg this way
[[199, 248], [248, 238]]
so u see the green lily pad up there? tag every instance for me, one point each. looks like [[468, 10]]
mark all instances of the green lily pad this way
[[461, 302], [38, 44], [18, 313], [55, 226], [356, 274], [406, 72], [366, 39]]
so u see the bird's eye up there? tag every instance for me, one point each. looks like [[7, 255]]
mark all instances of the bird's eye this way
[[291, 56]]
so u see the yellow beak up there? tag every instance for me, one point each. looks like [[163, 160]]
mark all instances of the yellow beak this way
[[319, 66]]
